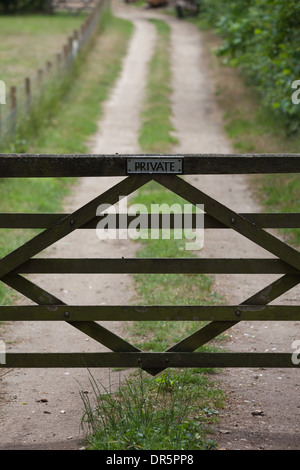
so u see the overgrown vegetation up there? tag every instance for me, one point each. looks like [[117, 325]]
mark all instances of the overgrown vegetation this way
[[262, 38], [171, 412]]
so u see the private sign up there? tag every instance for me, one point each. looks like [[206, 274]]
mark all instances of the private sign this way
[[157, 165]]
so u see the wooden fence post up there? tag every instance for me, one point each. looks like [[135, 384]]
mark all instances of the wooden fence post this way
[[75, 44], [58, 61], [70, 45], [65, 53], [81, 32], [40, 77], [13, 109], [27, 94], [49, 67]]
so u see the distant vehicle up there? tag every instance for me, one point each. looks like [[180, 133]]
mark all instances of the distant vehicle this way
[[157, 3]]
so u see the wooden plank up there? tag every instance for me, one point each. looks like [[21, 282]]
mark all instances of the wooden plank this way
[[79, 313], [70, 223], [149, 360], [41, 165], [44, 220], [156, 265], [230, 218], [263, 220]]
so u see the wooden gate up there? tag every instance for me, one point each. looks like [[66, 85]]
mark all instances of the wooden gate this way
[[138, 170]]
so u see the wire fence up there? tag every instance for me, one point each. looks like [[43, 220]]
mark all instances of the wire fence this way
[[21, 100]]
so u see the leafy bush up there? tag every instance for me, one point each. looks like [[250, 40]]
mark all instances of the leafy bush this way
[[262, 38]]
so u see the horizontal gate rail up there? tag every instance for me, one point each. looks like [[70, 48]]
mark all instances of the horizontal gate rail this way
[[146, 313], [156, 265], [149, 360], [283, 259], [40, 221], [26, 165]]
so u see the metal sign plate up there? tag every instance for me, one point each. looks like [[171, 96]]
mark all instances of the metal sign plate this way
[[156, 165]]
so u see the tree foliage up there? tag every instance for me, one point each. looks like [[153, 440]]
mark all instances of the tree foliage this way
[[262, 38]]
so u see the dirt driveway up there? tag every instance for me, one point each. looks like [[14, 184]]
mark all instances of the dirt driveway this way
[[41, 408]]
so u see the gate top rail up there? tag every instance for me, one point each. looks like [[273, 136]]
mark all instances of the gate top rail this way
[[47, 165]]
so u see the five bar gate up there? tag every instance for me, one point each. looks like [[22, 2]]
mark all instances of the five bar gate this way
[[138, 170]]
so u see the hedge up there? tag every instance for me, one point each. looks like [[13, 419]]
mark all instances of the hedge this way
[[262, 38]]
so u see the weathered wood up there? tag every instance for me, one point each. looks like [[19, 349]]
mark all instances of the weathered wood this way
[[148, 360], [45, 220], [156, 265], [13, 109], [13, 97], [27, 89], [80, 313], [29, 165], [40, 75]]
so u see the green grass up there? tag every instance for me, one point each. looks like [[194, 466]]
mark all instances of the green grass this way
[[172, 412], [156, 131], [65, 129], [27, 42]]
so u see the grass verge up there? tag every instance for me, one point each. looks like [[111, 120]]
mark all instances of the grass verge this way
[[173, 411]]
